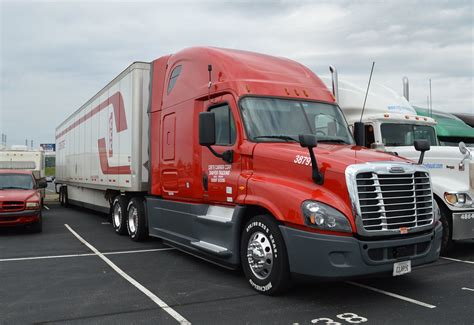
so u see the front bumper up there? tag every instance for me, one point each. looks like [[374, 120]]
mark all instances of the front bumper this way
[[18, 218], [463, 225], [329, 256]]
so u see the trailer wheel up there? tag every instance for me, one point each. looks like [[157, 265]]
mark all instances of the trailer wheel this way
[[263, 256], [63, 199], [118, 213], [446, 221], [136, 220]]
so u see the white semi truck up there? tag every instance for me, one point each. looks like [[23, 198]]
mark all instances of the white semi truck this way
[[392, 124]]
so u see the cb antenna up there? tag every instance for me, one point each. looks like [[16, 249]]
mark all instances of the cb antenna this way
[[431, 102], [367, 91]]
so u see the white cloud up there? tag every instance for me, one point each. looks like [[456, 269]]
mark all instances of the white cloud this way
[[56, 55]]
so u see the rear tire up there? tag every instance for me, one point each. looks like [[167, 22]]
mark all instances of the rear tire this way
[[264, 257], [118, 214], [136, 220]]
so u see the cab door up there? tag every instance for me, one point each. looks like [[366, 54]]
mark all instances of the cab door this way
[[220, 178]]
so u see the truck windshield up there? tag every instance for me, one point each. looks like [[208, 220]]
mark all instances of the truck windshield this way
[[16, 181], [395, 135], [282, 120]]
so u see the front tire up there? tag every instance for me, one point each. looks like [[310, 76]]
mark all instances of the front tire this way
[[446, 221], [118, 214], [136, 220], [264, 257]]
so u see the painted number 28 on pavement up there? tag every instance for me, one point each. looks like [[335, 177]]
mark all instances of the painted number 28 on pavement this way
[[348, 317]]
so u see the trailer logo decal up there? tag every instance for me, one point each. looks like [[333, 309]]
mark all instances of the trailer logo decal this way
[[116, 100], [111, 132], [104, 162]]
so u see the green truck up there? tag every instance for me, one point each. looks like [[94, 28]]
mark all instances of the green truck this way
[[450, 129]]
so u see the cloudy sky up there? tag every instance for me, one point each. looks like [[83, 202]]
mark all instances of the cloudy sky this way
[[55, 55]]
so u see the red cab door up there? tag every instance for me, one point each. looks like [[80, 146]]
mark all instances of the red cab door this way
[[220, 178]]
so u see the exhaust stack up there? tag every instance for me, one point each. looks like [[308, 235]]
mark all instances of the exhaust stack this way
[[334, 82], [406, 89]]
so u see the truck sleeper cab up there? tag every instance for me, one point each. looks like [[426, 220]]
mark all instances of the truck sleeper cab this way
[[251, 164]]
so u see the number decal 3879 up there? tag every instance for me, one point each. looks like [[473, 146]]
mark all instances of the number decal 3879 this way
[[302, 160]]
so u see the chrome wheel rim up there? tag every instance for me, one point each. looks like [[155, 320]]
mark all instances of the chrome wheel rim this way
[[260, 255], [117, 215], [132, 219]]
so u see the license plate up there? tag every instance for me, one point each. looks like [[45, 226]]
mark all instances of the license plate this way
[[465, 216], [401, 268]]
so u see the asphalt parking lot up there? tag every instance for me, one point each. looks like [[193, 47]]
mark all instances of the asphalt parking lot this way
[[79, 271]]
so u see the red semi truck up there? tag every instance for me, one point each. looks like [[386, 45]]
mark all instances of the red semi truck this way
[[245, 160]]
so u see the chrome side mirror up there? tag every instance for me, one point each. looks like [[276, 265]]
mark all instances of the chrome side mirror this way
[[466, 152], [463, 148]]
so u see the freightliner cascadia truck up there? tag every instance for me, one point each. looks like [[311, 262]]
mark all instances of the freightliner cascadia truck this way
[[245, 160], [392, 124]]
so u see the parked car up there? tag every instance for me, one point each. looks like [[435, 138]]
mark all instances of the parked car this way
[[20, 199]]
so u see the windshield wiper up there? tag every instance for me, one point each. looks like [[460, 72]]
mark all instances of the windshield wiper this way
[[332, 140], [282, 137], [12, 187]]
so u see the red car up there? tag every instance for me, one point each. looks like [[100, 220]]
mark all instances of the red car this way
[[20, 199]]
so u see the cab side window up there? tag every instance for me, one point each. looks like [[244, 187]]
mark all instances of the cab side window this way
[[174, 76], [225, 125], [369, 135]]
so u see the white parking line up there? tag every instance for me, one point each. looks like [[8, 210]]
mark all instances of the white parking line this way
[[84, 254], [173, 313], [43, 257], [46, 207], [456, 260], [391, 294], [468, 289]]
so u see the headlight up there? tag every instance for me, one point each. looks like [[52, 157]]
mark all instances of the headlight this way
[[32, 205], [322, 216], [459, 200]]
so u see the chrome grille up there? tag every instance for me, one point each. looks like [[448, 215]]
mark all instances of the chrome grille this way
[[393, 201]]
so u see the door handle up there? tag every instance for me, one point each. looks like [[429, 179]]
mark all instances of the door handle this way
[[205, 182]]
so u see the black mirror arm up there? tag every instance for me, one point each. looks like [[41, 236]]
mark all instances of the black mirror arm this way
[[422, 146], [318, 178], [227, 156], [422, 155]]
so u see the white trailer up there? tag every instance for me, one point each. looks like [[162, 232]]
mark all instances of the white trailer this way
[[102, 148], [392, 124], [19, 157]]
